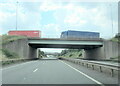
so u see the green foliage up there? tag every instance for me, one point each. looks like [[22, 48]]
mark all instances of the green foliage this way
[[70, 55], [9, 54], [115, 59], [118, 57], [41, 54], [117, 35], [6, 38], [64, 52], [116, 38], [80, 54], [75, 53]]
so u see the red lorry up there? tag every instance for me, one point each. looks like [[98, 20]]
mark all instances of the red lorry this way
[[31, 33]]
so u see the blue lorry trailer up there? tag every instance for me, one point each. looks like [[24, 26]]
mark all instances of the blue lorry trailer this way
[[79, 34]]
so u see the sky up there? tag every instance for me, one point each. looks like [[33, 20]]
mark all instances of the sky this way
[[53, 17]]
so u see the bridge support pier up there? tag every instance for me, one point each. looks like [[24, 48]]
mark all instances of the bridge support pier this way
[[32, 52], [94, 54]]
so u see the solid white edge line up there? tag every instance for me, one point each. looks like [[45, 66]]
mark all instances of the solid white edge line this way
[[35, 70], [12, 66], [83, 74]]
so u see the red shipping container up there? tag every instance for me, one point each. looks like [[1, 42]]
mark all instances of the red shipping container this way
[[35, 33]]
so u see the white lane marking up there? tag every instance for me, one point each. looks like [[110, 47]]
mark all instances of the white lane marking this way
[[17, 65], [84, 74], [35, 70]]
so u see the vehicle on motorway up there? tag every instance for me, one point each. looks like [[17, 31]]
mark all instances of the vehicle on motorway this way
[[30, 33], [79, 34]]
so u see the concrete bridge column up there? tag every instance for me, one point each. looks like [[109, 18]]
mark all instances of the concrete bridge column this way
[[94, 54], [32, 52]]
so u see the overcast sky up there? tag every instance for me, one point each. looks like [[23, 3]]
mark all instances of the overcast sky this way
[[51, 17]]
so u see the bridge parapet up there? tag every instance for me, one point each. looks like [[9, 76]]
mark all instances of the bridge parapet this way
[[70, 39]]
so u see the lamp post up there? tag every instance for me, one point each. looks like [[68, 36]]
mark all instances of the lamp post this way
[[16, 14], [111, 18], [112, 30]]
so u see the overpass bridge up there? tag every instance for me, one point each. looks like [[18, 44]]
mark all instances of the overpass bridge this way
[[94, 48]]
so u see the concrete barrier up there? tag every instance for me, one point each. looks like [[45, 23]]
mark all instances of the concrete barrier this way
[[103, 68]]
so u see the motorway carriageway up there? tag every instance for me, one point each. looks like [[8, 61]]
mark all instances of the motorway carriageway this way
[[53, 71]]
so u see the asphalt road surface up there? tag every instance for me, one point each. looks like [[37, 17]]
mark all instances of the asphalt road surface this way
[[53, 71]]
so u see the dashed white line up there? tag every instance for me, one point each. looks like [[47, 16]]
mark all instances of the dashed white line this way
[[35, 70], [84, 74]]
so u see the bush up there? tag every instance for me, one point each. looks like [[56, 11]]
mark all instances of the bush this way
[[70, 55], [9, 54], [80, 54], [8, 38], [41, 54]]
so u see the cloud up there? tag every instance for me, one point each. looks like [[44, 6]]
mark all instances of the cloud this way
[[72, 15], [49, 6], [5, 12], [102, 19], [26, 19], [51, 50], [50, 31], [7, 16], [62, 16], [76, 17], [83, 18]]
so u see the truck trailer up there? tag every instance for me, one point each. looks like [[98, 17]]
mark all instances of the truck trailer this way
[[31, 33], [79, 34]]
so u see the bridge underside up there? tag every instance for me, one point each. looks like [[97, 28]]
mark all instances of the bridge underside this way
[[65, 46]]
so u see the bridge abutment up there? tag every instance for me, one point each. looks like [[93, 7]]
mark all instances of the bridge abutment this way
[[94, 54], [107, 51], [32, 52], [20, 47]]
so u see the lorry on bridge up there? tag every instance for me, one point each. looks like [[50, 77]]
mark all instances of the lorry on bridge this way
[[79, 34], [29, 33]]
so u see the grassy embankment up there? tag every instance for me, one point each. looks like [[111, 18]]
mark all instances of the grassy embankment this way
[[72, 53], [7, 38], [115, 40], [7, 57]]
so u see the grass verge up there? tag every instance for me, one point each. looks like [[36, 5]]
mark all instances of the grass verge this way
[[8, 38]]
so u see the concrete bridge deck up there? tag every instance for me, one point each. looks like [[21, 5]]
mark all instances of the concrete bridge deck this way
[[65, 43]]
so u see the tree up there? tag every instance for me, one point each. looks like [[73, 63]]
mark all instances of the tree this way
[[41, 54], [117, 35]]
